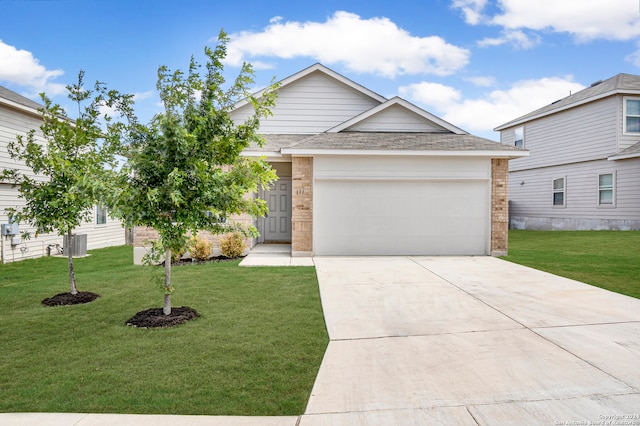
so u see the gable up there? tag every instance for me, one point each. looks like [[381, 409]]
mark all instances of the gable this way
[[312, 104], [396, 119]]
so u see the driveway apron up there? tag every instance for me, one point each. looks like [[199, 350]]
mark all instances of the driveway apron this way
[[471, 340]]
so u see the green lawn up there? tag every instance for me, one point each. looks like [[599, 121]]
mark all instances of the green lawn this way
[[607, 259], [255, 350]]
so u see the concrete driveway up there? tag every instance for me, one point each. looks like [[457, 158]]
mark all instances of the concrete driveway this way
[[472, 340]]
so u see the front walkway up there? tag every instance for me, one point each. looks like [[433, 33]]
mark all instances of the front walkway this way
[[274, 255]]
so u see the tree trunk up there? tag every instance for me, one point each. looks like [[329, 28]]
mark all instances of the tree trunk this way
[[166, 309], [72, 275]]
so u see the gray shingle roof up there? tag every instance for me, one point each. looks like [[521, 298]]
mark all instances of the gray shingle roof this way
[[275, 142], [400, 141], [19, 99], [632, 151], [618, 84]]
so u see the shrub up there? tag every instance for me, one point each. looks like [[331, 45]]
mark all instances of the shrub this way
[[200, 248], [232, 245]]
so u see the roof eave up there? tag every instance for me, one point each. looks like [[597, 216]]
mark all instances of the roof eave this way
[[397, 152]]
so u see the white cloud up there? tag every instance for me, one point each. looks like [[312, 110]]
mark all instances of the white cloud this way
[[634, 57], [375, 45], [434, 94], [471, 9], [516, 38], [481, 115], [21, 68], [481, 81], [586, 20]]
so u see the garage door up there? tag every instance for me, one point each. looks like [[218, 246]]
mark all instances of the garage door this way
[[401, 217]]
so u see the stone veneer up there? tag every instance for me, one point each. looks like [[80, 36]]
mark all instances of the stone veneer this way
[[499, 206], [302, 206]]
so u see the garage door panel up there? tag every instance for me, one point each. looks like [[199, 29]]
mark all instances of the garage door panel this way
[[400, 217]]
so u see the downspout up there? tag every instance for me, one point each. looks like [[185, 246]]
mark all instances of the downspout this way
[[2, 250]]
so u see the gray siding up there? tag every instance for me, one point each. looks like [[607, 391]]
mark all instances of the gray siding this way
[[530, 195], [396, 119], [580, 134], [312, 104], [17, 122], [13, 123]]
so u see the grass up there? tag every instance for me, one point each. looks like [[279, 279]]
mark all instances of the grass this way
[[606, 259], [255, 350]]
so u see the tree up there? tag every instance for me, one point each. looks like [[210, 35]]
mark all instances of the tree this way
[[66, 165], [185, 172]]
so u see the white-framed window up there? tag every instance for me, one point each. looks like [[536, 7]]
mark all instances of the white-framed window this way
[[518, 137], [632, 115], [101, 215], [559, 192], [606, 189]]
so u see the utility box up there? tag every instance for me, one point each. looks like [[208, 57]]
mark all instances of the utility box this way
[[10, 229], [77, 245]]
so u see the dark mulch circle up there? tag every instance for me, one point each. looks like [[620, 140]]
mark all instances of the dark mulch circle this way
[[70, 299], [154, 317]]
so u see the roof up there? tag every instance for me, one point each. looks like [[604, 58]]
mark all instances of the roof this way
[[632, 152], [619, 84], [10, 97], [385, 143]]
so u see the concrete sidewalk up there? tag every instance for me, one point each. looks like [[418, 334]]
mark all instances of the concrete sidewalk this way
[[452, 341]]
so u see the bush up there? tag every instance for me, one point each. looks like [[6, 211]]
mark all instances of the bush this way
[[232, 245], [200, 248]]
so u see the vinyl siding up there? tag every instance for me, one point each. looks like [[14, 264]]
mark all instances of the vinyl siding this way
[[312, 104], [14, 122], [396, 119], [580, 134], [530, 191]]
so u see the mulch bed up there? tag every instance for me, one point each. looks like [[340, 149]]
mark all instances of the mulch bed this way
[[154, 317], [70, 299], [189, 261]]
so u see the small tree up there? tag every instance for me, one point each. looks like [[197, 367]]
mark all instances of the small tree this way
[[66, 164], [185, 172]]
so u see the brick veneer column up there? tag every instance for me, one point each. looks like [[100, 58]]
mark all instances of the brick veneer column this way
[[499, 206], [302, 206]]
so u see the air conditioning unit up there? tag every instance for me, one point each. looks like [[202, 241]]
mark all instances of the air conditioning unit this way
[[77, 245]]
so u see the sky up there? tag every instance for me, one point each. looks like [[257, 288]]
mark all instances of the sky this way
[[475, 63]]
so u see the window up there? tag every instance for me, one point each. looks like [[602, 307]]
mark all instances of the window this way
[[632, 115], [101, 215], [559, 192], [518, 137], [605, 189]]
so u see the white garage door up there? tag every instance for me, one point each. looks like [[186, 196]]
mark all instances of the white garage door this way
[[401, 217]]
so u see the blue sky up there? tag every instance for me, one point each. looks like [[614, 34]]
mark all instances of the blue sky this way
[[475, 63]]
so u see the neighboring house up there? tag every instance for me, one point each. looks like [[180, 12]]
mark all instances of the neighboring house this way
[[583, 171], [18, 115]]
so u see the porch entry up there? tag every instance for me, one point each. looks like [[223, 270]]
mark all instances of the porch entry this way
[[276, 226]]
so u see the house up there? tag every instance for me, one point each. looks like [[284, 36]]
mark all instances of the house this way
[[18, 115], [360, 174], [583, 171]]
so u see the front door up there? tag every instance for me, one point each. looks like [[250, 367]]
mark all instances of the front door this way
[[277, 225]]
